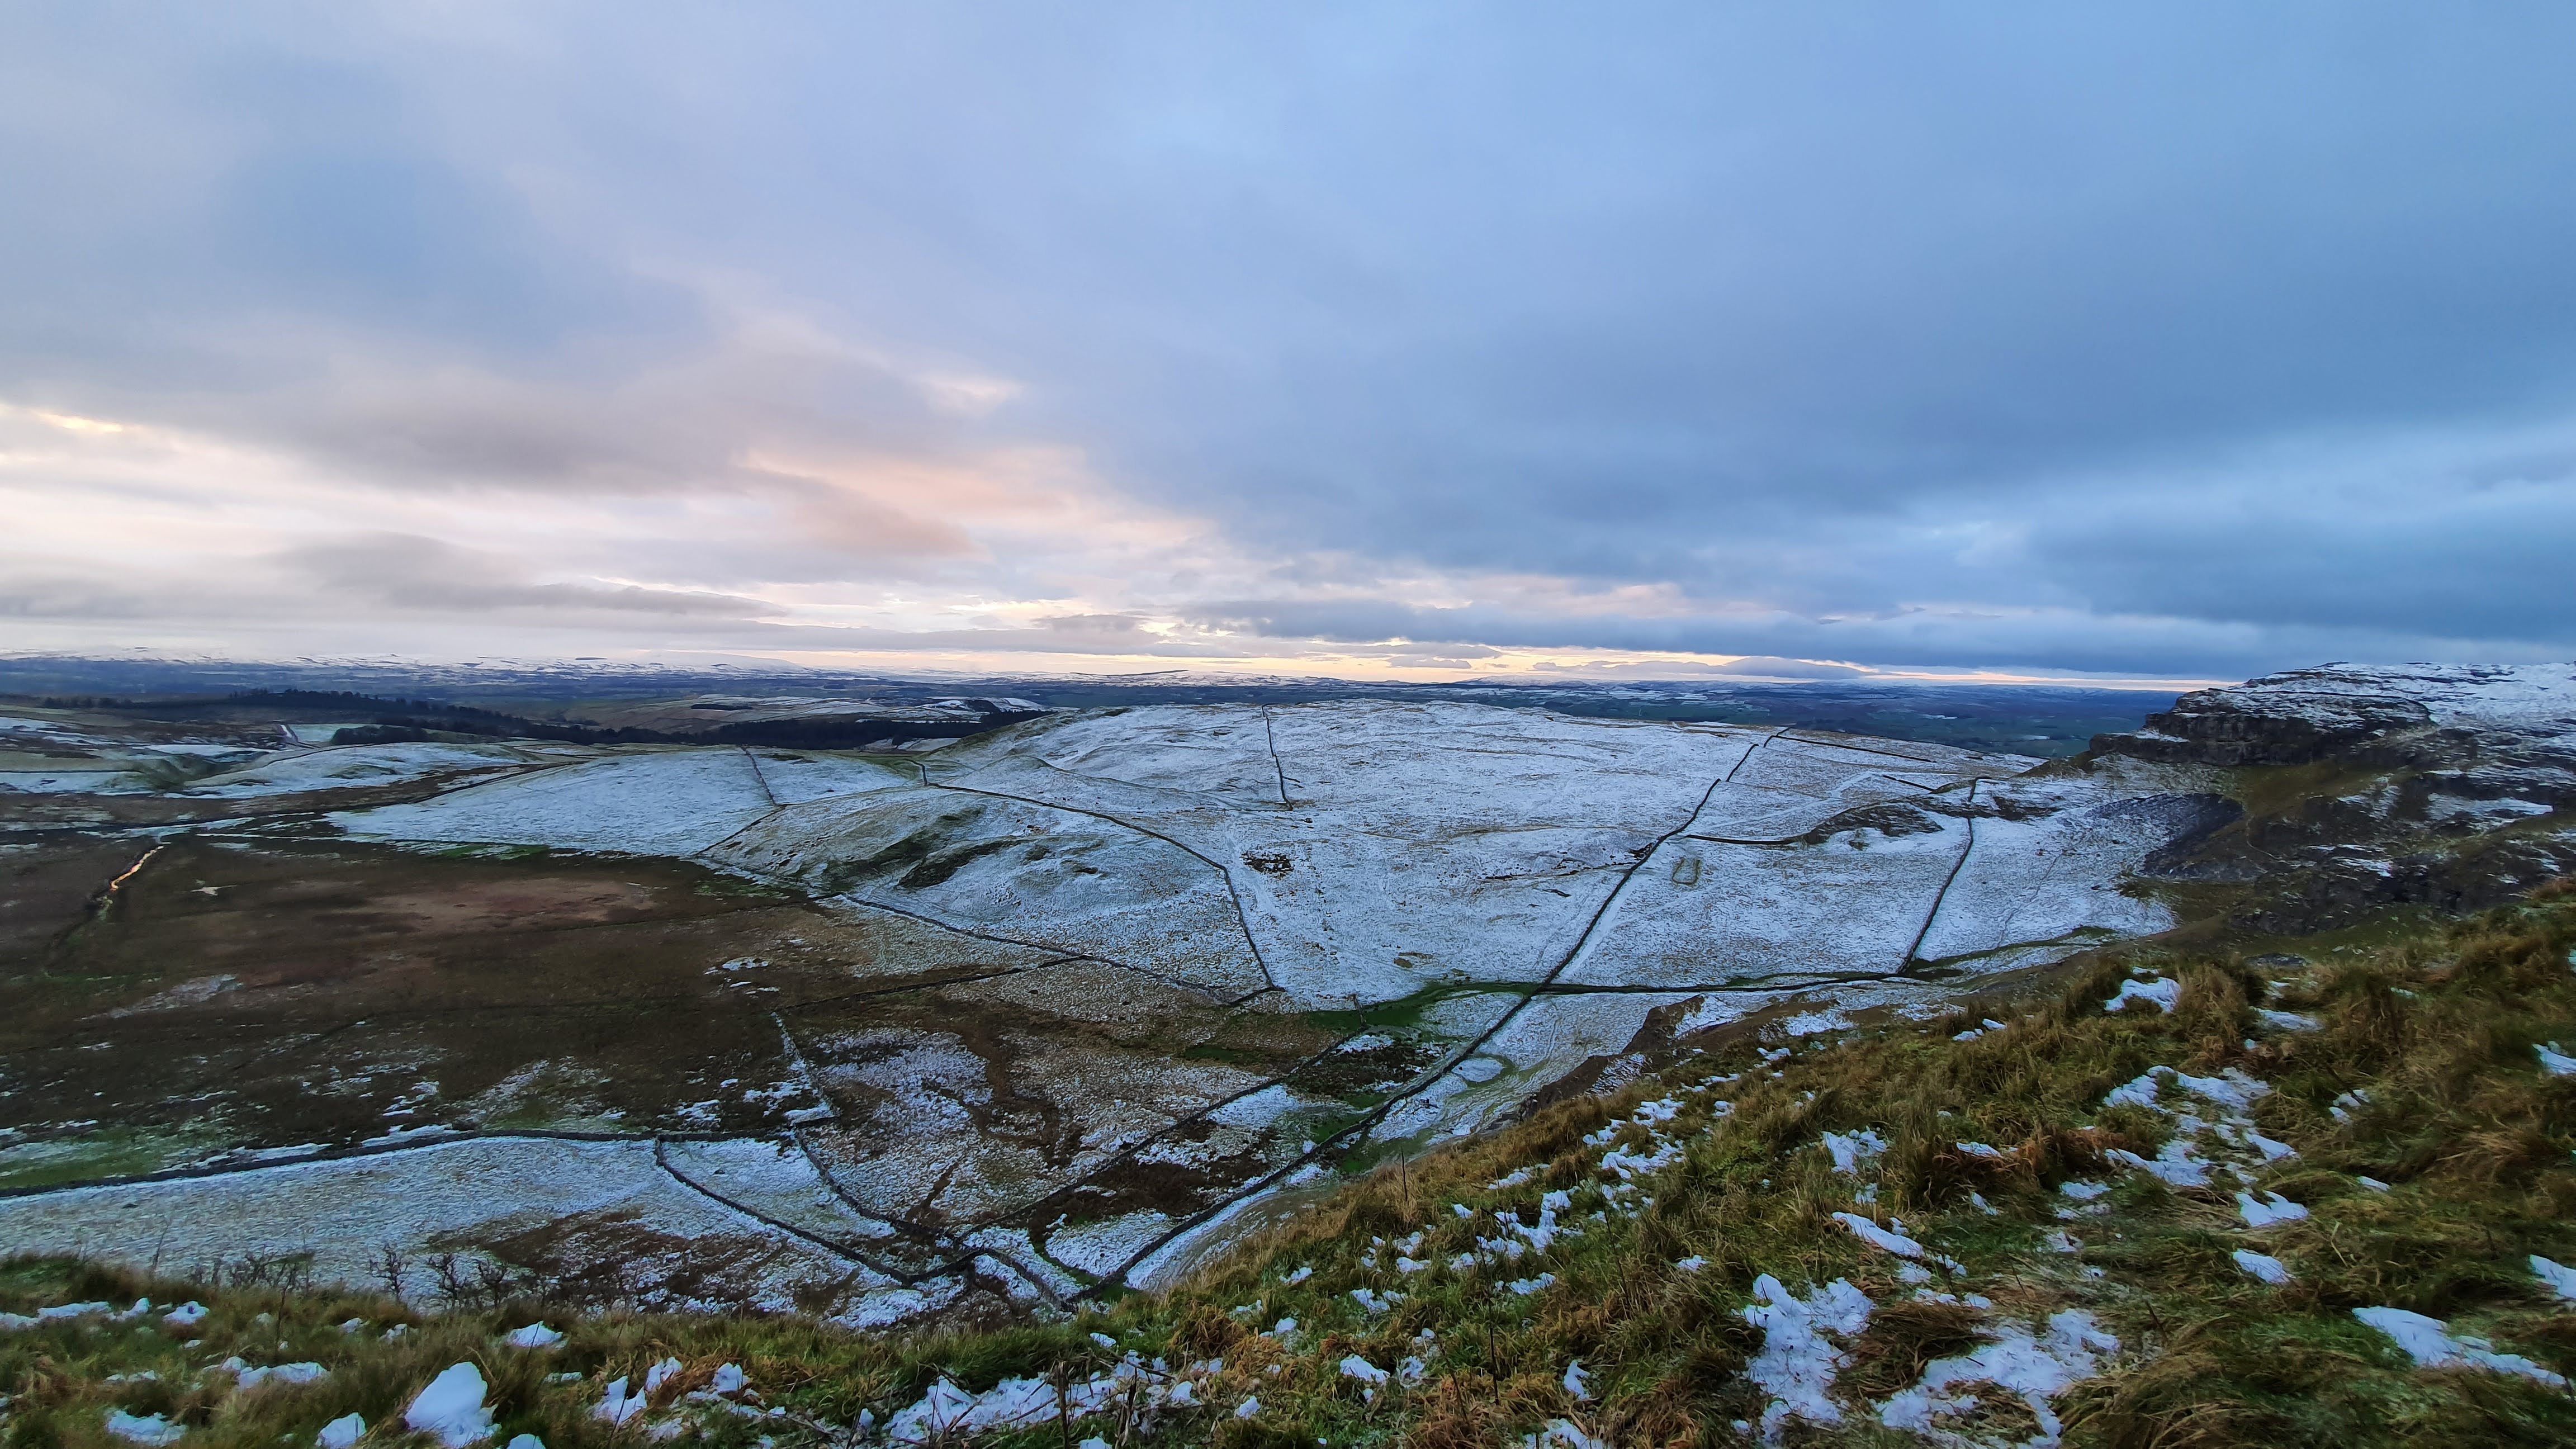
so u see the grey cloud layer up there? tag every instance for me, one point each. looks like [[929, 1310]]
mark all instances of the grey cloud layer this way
[[2176, 339]]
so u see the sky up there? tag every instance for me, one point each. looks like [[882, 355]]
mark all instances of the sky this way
[[2165, 342]]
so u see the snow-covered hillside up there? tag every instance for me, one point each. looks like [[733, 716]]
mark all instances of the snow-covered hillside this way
[[1232, 943]]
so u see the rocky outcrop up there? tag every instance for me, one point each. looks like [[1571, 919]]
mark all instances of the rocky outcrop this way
[[2397, 715], [2237, 726], [2450, 787]]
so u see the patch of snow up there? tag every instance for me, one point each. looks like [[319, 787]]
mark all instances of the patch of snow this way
[[616, 1406], [1878, 1237], [2231, 1089], [1356, 1367], [2263, 1266], [341, 1432], [451, 1408], [535, 1335], [2174, 1165], [1663, 1109], [2032, 1368], [2139, 1092], [245, 1377], [2560, 1280], [2272, 1151], [151, 1430], [2555, 1062], [2274, 1208], [2163, 991], [1798, 1362], [2428, 1341], [948, 1413], [1562, 1434], [1630, 1165], [1854, 1151]]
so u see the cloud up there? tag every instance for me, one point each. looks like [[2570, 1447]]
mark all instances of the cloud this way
[[406, 571], [2127, 341], [72, 595]]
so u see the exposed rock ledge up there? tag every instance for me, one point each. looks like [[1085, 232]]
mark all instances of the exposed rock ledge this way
[[2450, 786], [2396, 715]]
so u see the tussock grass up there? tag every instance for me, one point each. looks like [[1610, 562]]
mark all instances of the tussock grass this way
[[2419, 1072]]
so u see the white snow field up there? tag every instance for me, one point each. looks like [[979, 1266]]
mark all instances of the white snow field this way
[[1027, 872], [333, 767], [1505, 896], [662, 802], [1421, 845], [678, 1245]]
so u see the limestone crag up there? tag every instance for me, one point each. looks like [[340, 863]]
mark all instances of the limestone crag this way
[[2451, 786]]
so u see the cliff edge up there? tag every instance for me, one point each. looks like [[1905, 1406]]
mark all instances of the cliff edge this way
[[2358, 788]]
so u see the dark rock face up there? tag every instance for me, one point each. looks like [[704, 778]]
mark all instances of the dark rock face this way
[[2193, 820], [2419, 715], [2247, 725], [2453, 788]]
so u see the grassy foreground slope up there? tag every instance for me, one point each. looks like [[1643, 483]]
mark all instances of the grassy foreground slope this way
[[2062, 1224]]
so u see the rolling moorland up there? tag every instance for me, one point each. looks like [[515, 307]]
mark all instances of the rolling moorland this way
[[1436, 1070]]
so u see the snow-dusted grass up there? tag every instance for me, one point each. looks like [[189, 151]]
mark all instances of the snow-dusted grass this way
[[1848, 906], [658, 802], [918, 1145], [1028, 872], [1352, 854], [1682, 1261], [2047, 878], [343, 1213], [1424, 844], [339, 767], [774, 1179], [801, 777]]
